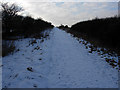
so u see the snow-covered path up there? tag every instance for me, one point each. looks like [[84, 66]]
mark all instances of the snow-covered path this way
[[61, 62]]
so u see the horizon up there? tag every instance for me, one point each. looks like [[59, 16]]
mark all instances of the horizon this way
[[67, 13]]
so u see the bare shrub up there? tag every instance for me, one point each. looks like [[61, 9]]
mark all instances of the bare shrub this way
[[7, 47]]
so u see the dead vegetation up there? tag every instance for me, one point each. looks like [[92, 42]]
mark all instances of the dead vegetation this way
[[8, 47], [101, 51], [30, 69]]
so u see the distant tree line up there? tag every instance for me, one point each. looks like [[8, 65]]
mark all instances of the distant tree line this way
[[64, 27], [14, 24], [106, 31]]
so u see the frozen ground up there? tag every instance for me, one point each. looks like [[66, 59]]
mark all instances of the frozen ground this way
[[58, 61]]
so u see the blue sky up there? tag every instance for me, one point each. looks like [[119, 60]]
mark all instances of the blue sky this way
[[67, 12]]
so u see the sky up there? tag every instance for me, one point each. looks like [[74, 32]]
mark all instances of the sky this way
[[65, 12]]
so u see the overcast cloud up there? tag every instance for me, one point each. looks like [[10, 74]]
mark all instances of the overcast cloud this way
[[68, 12]]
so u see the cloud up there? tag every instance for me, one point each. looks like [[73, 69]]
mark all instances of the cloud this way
[[68, 12]]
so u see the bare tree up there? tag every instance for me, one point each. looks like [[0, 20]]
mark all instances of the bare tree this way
[[10, 10]]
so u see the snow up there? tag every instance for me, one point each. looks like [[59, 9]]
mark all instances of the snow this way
[[0, 72], [60, 62]]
